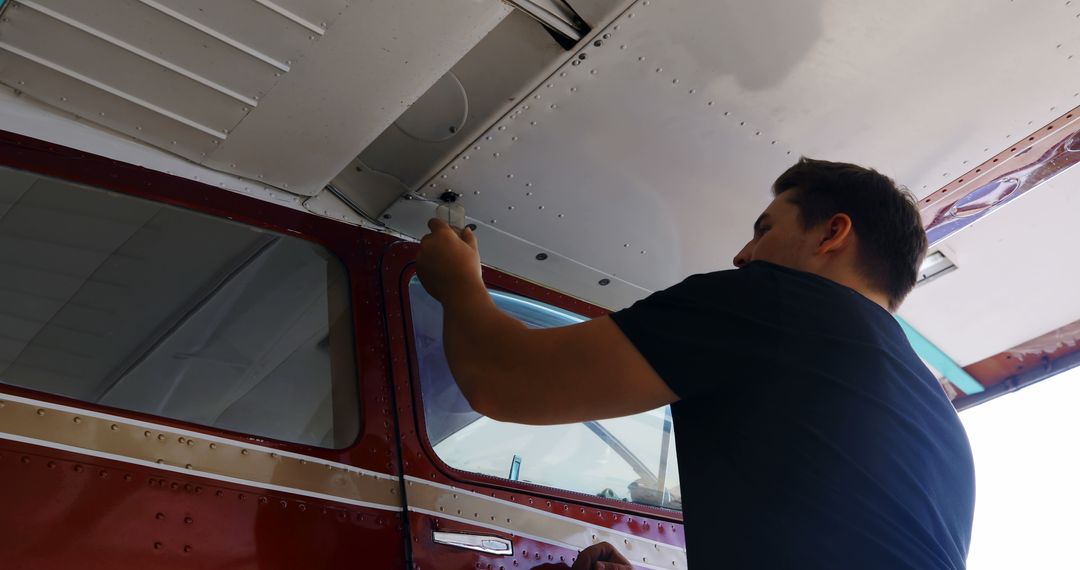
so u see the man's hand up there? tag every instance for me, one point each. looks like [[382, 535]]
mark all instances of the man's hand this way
[[449, 263], [601, 556]]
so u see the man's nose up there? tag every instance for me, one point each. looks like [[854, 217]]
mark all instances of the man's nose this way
[[741, 258]]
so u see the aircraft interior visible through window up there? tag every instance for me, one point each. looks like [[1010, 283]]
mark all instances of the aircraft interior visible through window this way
[[137, 305], [629, 459]]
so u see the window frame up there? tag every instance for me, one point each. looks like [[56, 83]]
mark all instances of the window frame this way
[[355, 248], [402, 271]]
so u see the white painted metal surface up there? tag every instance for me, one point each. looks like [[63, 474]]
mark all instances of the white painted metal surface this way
[[641, 163], [649, 158], [34, 119], [282, 92]]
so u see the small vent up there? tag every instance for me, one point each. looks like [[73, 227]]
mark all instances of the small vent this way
[[935, 265]]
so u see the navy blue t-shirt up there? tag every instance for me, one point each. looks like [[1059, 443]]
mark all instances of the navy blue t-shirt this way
[[810, 434]]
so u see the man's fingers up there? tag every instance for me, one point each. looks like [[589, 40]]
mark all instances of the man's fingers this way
[[470, 238], [437, 224]]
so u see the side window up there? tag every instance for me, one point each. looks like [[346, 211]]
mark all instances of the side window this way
[[129, 303], [630, 459]]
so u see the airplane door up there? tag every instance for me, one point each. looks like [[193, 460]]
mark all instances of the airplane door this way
[[189, 378], [492, 495]]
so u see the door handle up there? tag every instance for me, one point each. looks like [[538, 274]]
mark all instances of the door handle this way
[[481, 543]]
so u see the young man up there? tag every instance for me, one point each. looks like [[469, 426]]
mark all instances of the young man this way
[[810, 434]]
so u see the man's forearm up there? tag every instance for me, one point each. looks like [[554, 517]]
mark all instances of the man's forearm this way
[[483, 345]]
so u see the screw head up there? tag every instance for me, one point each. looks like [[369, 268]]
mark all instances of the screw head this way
[[604, 282], [541, 256]]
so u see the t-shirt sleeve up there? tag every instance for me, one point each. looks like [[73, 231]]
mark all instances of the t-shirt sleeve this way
[[708, 332]]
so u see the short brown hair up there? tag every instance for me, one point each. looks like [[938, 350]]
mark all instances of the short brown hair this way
[[892, 241]]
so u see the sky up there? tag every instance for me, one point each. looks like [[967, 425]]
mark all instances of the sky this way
[[1027, 477]]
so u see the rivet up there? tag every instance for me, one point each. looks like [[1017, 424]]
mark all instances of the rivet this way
[[501, 128], [509, 175], [78, 468], [562, 74], [161, 437], [187, 548], [114, 427], [604, 282], [533, 123], [188, 520], [509, 207], [476, 192], [495, 154], [63, 98], [41, 412], [243, 452], [77, 419], [146, 433], [674, 81], [160, 516], [540, 207], [573, 89], [187, 466], [641, 58], [559, 216], [25, 459], [575, 62], [592, 72], [160, 461], [213, 446], [623, 46], [494, 221], [158, 546], [190, 442], [180, 439], [51, 465], [541, 256], [528, 193]]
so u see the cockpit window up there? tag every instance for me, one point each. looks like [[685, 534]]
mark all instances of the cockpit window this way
[[631, 458], [133, 304]]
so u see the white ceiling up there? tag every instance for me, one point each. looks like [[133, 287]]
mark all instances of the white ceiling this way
[[1016, 277]]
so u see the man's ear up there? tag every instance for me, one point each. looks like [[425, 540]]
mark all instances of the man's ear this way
[[836, 235]]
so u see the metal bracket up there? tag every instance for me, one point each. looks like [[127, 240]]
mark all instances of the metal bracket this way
[[556, 15]]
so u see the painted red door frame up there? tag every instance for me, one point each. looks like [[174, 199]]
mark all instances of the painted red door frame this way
[[67, 509], [421, 462]]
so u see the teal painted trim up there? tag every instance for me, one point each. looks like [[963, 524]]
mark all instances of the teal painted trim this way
[[939, 360]]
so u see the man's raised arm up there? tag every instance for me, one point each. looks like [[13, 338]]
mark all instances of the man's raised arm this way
[[510, 372]]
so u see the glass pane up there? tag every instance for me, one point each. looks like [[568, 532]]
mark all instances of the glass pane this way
[[130, 303], [619, 458]]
